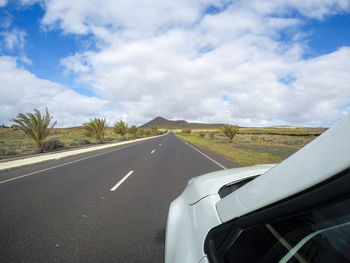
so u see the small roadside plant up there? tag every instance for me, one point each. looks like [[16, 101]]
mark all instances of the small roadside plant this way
[[154, 130], [140, 132], [83, 142], [186, 131], [52, 144], [133, 130], [201, 134], [230, 131], [212, 135], [121, 128], [95, 128], [36, 126], [147, 132]]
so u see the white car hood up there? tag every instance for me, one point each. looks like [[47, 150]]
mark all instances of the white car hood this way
[[210, 183], [194, 213]]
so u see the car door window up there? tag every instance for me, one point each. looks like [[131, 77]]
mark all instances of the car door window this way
[[319, 235]]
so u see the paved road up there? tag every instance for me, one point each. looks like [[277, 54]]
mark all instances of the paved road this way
[[65, 211]]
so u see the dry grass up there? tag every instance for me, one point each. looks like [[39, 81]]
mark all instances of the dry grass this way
[[16, 143], [256, 145]]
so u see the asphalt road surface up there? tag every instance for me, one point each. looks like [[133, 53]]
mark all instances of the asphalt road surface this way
[[103, 206]]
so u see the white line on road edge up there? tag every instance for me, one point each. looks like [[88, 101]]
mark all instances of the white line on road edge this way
[[211, 159], [121, 181], [153, 151], [56, 166]]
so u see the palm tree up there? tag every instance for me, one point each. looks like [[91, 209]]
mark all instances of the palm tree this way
[[230, 131], [95, 128], [133, 130], [36, 126], [121, 128]]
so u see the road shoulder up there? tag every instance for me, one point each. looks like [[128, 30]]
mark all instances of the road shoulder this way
[[56, 156]]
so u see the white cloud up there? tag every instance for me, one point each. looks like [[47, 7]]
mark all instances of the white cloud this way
[[22, 92], [136, 17], [169, 58], [13, 39], [321, 88], [148, 80], [309, 8], [3, 3]]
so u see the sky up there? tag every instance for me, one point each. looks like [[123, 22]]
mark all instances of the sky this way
[[251, 63]]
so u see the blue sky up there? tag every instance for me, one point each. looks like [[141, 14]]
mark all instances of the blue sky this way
[[250, 63], [44, 48], [328, 35]]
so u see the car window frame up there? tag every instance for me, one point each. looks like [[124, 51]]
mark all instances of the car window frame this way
[[221, 238]]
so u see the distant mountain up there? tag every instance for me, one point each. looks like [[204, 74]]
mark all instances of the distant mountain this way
[[163, 123]]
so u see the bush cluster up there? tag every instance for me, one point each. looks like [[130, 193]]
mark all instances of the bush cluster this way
[[83, 141], [52, 144], [201, 134], [37, 126], [186, 131]]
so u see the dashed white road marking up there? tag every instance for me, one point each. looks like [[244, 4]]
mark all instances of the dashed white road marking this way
[[153, 151], [160, 144], [64, 164], [121, 181]]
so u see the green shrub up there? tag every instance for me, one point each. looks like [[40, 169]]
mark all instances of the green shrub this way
[[186, 131], [140, 132], [154, 130], [129, 136], [95, 128], [133, 130], [147, 132], [201, 134], [230, 131], [121, 128]]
